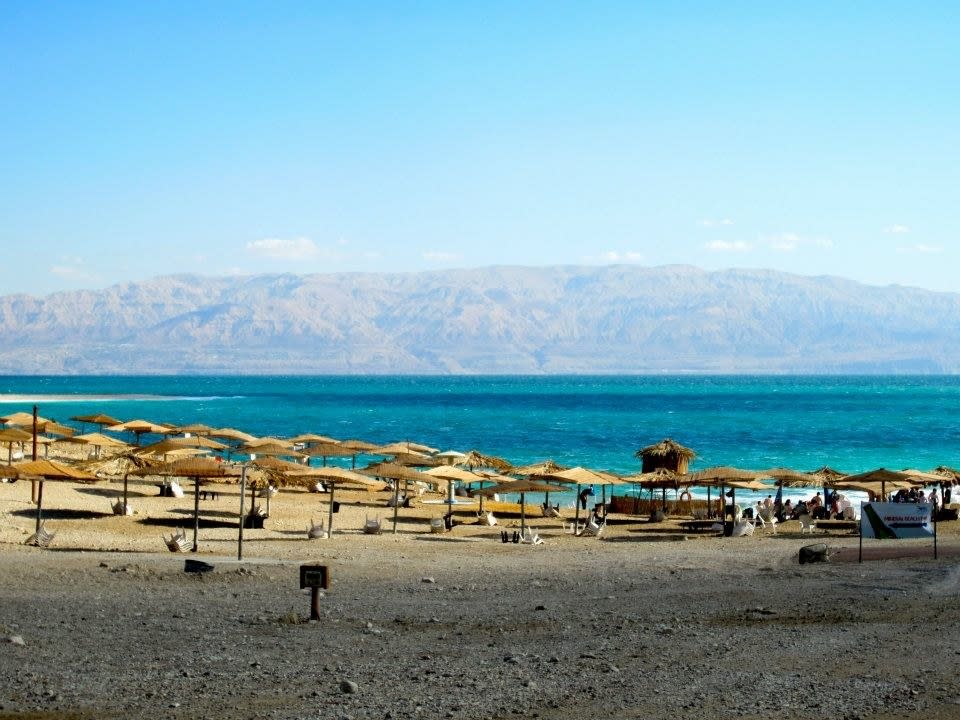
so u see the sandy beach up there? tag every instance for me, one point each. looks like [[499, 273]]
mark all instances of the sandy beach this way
[[642, 623]]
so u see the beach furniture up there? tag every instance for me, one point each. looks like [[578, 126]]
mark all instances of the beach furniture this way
[[121, 508], [489, 519], [316, 531], [177, 542], [372, 526], [807, 523], [766, 520], [742, 528], [530, 536], [41, 538], [437, 525], [592, 529]]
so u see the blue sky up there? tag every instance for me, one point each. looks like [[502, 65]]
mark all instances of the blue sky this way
[[140, 139]]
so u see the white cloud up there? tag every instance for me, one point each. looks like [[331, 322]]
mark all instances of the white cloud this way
[[711, 223], [728, 246], [440, 256], [896, 229], [921, 248], [610, 257], [790, 242], [300, 248], [69, 267]]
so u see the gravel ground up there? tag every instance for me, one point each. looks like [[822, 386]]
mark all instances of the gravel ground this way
[[106, 623]]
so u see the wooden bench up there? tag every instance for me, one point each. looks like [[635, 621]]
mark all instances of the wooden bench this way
[[836, 525]]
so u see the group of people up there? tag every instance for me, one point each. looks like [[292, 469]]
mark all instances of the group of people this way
[[938, 496]]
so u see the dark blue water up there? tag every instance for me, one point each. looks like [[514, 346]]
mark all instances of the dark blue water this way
[[851, 423]]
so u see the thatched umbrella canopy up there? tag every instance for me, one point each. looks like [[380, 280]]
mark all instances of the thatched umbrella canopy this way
[[581, 476], [54, 428], [165, 447], [232, 434], [41, 470], [667, 454], [948, 473], [13, 435], [326, 450], [274, 448], [313, 438], [193, 429], [98, 441], [334, 477], [544, 467], [395, 472], [140, 428], [23, 419], [100, 419], [197, 469], [361, 446], [475, 459]]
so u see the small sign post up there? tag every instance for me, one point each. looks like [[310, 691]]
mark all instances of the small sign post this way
[[315, 577]]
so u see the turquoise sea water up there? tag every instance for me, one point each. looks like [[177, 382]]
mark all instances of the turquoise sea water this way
[[850, 423]]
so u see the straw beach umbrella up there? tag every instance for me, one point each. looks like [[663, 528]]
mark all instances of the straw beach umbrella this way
[[140, 428], [582, 476], [13, 435], [334, 476], [100, 419], [394, 472], [523, 487], [41, 470], [197, 469]]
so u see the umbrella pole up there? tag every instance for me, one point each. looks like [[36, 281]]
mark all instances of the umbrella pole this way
[[396, 501], [576, 512], [333, 486], [709, 504], [196, 512], [39, 504], [125, 476], [243, 492], [523, 517]]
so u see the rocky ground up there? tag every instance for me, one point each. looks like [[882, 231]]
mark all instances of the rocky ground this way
[[106, 623]]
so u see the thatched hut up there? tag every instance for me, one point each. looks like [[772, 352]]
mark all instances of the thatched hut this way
[[667, 455]]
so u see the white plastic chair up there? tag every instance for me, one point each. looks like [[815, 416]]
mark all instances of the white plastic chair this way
[[807, 523]]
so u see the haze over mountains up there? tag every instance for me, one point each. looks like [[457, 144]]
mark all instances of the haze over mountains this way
[[615, 319]]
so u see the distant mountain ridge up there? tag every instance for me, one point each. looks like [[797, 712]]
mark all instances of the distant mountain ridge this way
[[510, 320]]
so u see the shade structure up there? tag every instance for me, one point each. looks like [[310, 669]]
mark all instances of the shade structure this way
[[544, 467], [667, 453], [194, 429], [394, 472], [326, 450], [312, 438], [11, 435], [361, 446], [404, 446], [42, 470], [97, 440], [231, 434], [23, 419], [522, 486], [878, 481], [100, 419], [584, 476], [476, 459], [164, 447], [197, 469], [335, 477], [140, 428], [274, 449]]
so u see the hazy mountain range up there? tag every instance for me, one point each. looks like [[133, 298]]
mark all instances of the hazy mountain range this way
[[616, 319]]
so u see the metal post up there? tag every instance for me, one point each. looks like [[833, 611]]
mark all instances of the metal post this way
[[196, 512], [39, 504], [333, 486], [315, 604], [396, 502], [243, 490]]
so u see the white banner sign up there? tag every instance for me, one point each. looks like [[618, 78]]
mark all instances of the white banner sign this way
[[896, 521]]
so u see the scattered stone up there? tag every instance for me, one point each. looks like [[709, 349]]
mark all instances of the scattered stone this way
[[428, 580], [17, 640], [348, 687]]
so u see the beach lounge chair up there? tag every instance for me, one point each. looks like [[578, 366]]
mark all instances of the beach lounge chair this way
[[316, 531], [766, 520], [437, 525], [372, 526], [318, 488], [592, 529], [530, 536], [550, 511], [742, 528], [177, 542], [489, 519], [400, 501], [41, 538], [121, 508], [807, 523]]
